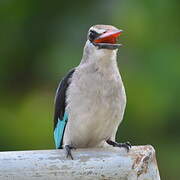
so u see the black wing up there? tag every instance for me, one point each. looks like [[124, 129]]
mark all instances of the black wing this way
[[60, 98]]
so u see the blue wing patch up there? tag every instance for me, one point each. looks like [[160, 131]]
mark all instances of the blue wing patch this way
[[59, 131]]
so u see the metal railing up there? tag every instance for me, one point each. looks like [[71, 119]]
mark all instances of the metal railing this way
[[105, 164]]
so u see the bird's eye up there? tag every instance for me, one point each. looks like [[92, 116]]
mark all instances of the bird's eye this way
[[93, 35]]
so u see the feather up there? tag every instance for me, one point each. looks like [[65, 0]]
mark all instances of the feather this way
[[60, 116], [59, 131]]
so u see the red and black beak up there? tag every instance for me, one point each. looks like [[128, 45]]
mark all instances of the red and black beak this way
[[108, 39], [109, 36]]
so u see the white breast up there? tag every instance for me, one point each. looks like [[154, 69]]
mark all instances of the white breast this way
[[96, 102]]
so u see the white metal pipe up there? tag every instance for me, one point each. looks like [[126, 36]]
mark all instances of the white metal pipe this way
[[138, 164]]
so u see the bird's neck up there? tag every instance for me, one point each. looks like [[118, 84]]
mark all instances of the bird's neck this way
[[105, 59], [102, 58]]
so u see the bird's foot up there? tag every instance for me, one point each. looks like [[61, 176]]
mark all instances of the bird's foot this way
[[68, 149], [126, 145]]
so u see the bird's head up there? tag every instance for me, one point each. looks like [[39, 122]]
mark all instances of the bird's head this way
[[101, 42], [104, 36]]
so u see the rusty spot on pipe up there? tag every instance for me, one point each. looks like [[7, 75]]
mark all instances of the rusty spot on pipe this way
[[137, 161]]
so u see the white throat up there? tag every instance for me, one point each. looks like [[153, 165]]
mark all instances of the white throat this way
[[101, 57]]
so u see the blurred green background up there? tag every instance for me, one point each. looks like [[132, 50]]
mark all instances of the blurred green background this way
[[41, 40]]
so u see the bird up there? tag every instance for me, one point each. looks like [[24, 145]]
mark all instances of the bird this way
[[90, 100]]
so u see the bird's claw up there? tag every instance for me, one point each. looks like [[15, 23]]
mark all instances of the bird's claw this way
[[126, 145], [68, 149]]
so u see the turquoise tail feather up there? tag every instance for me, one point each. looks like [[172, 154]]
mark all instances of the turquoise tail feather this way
[[59, 131]]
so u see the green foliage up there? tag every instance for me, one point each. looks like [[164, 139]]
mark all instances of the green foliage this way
[[41, 41]]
